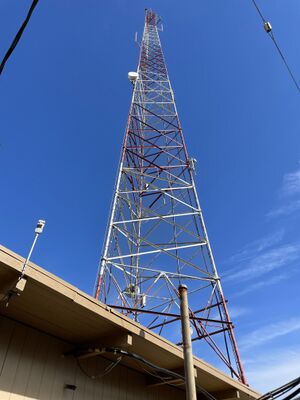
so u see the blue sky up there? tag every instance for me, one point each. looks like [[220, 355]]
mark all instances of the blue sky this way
[[64, 99]]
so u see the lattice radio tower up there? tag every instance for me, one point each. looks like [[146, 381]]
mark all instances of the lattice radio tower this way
[[156, 237]]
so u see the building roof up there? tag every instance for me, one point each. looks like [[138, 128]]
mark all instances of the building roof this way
[[55, 307]]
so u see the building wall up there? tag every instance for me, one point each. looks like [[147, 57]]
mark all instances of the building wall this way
[[32, 367]]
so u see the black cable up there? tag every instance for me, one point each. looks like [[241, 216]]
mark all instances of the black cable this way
[[284, 60], [292, 395], [282, 390], [156, 367], [258, 10], [270, 395], [18, 36], [270, 33], [11, 292], [106, 371]]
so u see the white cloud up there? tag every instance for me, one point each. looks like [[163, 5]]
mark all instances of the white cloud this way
[[257, 246], [291, 183], [267, 371], [289, 188], [270, 260], [236, 311], [262, 284], [284, 210], [268, 333]]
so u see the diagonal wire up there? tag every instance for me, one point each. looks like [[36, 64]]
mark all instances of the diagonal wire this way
[[18, 36], [284, 60], [271, 35], [258, 10]]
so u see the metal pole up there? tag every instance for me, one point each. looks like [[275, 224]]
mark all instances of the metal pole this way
[[38, 230], [187, 345], [19, 285]]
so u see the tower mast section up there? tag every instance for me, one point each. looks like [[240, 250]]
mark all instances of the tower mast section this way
[[156, 237]]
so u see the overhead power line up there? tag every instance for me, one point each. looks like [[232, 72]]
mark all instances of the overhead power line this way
[[283, 390], [268, 29], [18, 36], [258, 10]]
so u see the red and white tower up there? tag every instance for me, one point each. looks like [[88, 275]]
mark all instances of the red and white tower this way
[[156, 238]]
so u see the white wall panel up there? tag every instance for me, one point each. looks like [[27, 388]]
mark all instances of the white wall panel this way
[[32, 367]]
